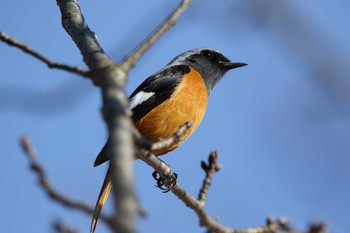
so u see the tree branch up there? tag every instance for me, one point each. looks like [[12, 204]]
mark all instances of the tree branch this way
[[74, 23], [162, 144], [189, 200], [45, 183], [112, 78], [167, 142], [198, 204], [52, 64], [130, 60], [210, 169]]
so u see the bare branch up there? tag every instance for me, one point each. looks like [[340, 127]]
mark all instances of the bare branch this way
[[162, 144], [74, 23], [210, 169], [167, 142], [52, 64], [198, 205], [112, 78], [189, 200], [46, 184], [130, 61]]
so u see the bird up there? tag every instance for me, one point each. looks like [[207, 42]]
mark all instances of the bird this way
[[176, 94]]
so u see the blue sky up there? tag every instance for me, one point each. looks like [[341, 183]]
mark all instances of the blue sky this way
[[281, 125]]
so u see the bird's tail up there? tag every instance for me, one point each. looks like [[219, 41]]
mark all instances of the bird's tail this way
[[102, 198]]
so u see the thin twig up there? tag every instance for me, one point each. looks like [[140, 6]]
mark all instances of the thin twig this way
[[130, 61], [61, 227], [162, 144], [210, 169], [52, 64], [168, 142], [45, 183]]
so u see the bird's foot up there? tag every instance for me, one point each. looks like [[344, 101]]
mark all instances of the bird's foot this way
[[165, 183]]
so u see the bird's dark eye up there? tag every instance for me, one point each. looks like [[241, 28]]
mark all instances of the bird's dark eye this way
[[207, 54]]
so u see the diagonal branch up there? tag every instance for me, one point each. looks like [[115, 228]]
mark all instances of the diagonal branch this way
[[45, 182], [130, 61], [86, 40], [52, 64], [162, 144], [198, 204]]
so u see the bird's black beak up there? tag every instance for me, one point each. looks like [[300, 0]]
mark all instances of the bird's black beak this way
[[233, 65]]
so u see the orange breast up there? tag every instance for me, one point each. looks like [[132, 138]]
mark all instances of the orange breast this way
[[188, 103]]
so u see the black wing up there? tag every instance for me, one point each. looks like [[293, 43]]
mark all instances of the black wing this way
[[163, 84]]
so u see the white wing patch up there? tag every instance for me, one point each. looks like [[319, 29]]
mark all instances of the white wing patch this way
[[139, 98]]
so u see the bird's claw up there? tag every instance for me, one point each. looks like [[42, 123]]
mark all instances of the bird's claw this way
[[165, 183]]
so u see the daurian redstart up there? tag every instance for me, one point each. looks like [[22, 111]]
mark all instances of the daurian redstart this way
[[176, 94]]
